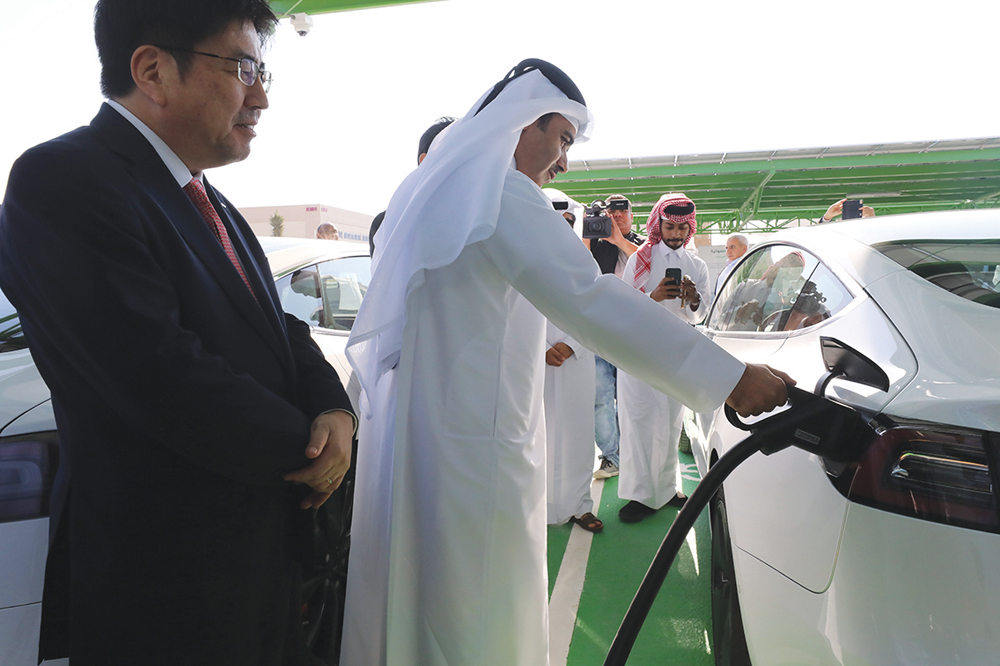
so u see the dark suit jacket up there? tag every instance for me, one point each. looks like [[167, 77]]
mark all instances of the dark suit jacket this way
[[180, 401]]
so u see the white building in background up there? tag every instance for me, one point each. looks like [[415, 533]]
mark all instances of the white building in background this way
[[301, 221]]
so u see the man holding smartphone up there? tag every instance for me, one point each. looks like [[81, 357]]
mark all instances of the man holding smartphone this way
[[678, 280]]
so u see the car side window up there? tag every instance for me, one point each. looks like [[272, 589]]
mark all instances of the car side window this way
[[760, 295], [299, 295], [326, 295], [725, 300], [342, 284], [821, 297]]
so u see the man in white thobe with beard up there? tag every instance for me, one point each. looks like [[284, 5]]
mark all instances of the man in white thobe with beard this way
[[650, 420], [447, 560]]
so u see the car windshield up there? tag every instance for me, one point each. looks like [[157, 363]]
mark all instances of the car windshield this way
[[970, 269], [11, 337]]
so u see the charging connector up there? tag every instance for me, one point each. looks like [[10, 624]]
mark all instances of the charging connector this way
[[813, 423]]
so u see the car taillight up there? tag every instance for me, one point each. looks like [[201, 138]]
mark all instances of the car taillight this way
[[27, 468], [927, 471]]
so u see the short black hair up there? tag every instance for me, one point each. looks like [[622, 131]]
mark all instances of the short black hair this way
[[543, 121], [427, 138], [122, 26]]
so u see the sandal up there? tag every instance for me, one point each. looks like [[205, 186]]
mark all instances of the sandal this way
[[589, 522]]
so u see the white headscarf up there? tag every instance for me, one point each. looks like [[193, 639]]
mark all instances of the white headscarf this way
[[577, 209], [450, 201]]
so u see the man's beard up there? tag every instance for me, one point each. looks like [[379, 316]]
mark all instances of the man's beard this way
[[674, 243]]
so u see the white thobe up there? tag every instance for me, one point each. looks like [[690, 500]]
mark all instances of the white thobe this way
[[447, 561], [569, 430], [723, 274], [650, 421]]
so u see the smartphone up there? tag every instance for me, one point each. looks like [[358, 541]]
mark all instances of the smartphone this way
[[852, 209], [673, 274]]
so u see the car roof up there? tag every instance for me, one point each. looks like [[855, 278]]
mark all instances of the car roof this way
[[848, 244], [939, 225], [288, 254]]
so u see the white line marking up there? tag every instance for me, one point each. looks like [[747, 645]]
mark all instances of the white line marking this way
[[568, 587]]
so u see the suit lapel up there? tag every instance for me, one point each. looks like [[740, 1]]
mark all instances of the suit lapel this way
[[156, 180], [256, 269]]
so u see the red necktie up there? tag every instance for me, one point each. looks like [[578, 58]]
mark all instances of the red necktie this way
[[196, 192]]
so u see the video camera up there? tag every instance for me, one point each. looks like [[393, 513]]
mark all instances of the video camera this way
[[597, 224]]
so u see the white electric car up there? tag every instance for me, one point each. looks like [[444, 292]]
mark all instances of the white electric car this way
[[894, 558], [321, 282]]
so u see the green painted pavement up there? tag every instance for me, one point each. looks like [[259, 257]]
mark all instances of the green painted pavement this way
[[678, 628]]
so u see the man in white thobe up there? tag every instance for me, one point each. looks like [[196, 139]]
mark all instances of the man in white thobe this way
[[570, 386], [447, 561], [569, 430], [651, 420]]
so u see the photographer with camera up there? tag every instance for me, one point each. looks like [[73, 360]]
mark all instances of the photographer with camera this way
[[612, 241], [612, 250]]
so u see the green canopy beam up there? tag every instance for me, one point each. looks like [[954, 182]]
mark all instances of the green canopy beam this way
[[749, 208], [770, 189], [285, 7]]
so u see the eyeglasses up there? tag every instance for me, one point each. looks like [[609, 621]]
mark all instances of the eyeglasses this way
[[247, 73]]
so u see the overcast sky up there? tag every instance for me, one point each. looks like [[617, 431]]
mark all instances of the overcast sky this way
[[350, 100]]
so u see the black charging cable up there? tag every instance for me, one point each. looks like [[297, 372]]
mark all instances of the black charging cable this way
[[621, 647], [813, 423]]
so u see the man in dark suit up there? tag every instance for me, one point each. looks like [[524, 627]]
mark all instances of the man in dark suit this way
[[197, 420]]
